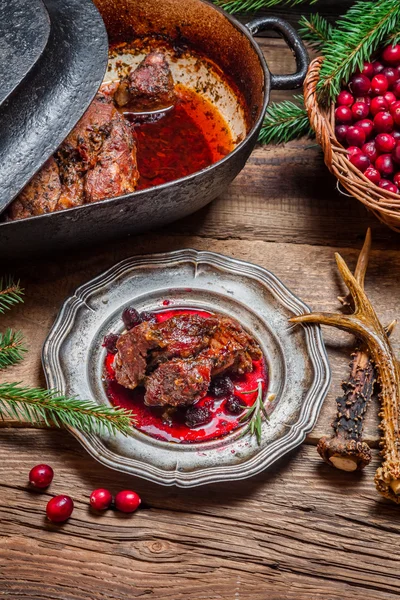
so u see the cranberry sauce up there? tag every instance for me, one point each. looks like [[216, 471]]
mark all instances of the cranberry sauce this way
[[170, 426]]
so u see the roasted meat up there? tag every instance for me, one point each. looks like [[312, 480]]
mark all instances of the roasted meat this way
[[149, 87], [176, 359], [96, 161]]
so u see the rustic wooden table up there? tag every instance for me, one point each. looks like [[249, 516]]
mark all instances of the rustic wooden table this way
[[300, 531]]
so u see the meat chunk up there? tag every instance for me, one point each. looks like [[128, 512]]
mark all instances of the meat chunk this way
[[149, 87], [178, 383], [176, 359], [96, 161]]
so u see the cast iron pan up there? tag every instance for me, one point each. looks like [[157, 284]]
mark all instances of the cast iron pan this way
[[41, 111], [24, 32]]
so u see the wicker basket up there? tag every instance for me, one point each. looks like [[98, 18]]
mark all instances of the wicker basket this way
[[384, 204]]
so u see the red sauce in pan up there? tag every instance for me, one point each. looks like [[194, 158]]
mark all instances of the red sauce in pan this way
[[151, 421], [188, 138]]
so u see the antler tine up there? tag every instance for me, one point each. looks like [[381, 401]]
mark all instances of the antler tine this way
[[361, 267], [346, 322]]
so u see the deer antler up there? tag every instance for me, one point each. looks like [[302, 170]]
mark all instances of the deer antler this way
[[365, 324]]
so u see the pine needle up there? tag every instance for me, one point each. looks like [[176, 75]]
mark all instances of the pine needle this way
[[10, 293], [11, 348], [315, 30], [37, 405], [234, 6], [285, 121], [354, 39]]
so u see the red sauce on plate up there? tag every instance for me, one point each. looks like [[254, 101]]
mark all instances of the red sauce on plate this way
[[188, 138], [151, 421]]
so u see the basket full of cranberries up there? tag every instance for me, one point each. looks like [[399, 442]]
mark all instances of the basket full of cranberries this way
[[360, 134]]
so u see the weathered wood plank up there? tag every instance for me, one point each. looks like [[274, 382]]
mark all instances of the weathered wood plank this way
[[271, 536]]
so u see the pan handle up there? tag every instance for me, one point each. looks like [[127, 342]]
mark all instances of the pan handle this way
[[292, 38]]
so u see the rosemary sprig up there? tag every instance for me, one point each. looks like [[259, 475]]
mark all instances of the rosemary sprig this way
[[285, 121], [37, 405], [254, 414], [315, 30], [10, 293], [11, 348], [234, 6]]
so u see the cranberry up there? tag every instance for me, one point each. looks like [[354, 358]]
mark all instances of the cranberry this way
[[360, 161], [396, 179], [234, 405], [131, 317], [390, 74], [100, 499], [396, 135], [359, 85], [59, 509], [390, 98], [385, 184], [41, 476], [353, 150], [340, 132], [384, 142], [395, 111], [222, 386], [359, 110], [197, 415], [355, 136], [396, 153], [384, 164], [368, 70], [383, 122], [373, 175], [127, 501], [110, 342], [378, 67], [148, 316], [378, 104], [366, 124], [396, 88], [391, 55], [369, 149], [365, 99], [345, 98], [379, 84], [343, 115]]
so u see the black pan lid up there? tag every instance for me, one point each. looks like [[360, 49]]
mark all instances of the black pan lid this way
[[56, 77]]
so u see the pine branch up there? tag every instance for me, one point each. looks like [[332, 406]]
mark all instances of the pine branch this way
[[285, 121], [354, 39], [36, 405], [234, 6], [315, 30], [11, 348], [10, 293]]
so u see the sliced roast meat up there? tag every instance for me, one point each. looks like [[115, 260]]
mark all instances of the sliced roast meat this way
[[130, 360], [178, 383]]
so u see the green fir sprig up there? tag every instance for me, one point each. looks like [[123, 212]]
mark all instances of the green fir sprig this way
[[356, 36], [315, 30], [10, 293], [285, 121], [11, 348], [36, 405], [235, 6], [255, 414]]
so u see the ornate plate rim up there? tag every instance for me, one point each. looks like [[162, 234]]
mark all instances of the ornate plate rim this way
[[268, 455]]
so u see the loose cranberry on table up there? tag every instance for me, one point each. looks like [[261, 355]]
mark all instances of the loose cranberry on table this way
[[385, 142], [378, 104], [391, 55], [384, 164], [59, 509], [355, 136], [343, 115], [373, 175], [359, 85], [100, 499], [345, 98], [383, 122], [41, 476], [360, 161], [379, 84], [127, 501], [360, 110]]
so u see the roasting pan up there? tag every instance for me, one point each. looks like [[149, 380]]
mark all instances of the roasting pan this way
[[228, 47]]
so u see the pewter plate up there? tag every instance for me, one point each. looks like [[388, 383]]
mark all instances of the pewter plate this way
[[298, 367]]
